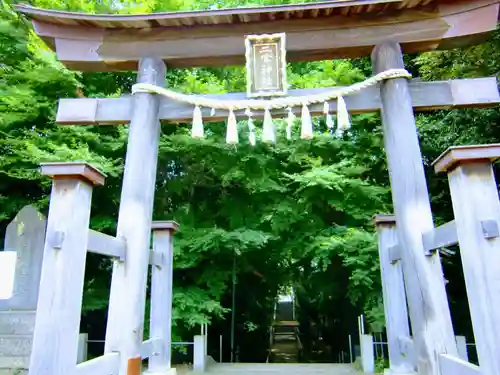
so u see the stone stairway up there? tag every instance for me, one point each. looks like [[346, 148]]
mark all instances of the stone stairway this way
[[285, 344], [16, 336], [285, 348], [281, 368]]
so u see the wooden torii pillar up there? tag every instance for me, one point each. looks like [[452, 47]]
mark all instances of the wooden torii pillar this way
[[315, 31], [426, 293], [125, 325]]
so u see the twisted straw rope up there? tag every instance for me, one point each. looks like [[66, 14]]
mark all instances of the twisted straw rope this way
[[259, 104]]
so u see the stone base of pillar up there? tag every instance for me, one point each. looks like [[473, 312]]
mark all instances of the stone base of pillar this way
[[388, 371], [170, 371]]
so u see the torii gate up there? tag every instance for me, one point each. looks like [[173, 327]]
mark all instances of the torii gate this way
[[315, 31]]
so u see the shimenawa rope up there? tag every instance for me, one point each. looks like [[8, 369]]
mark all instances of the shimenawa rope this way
[[268, 104]]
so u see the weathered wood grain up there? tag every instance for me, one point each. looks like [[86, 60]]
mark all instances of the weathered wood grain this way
[[451, 365], [442, 236], [461, 154], [207, 40], [104, 244], [225, 15], [425, 288], [161, 293], [407, 345], [425, 96], [79, 169], [107, 364], [128, 285], [393, 290], [57, 322], [474, 194]]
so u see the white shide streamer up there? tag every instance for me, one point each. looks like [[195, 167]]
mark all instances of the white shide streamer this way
[[269, 130]]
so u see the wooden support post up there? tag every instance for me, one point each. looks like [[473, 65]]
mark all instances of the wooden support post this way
[[57, 323], [474, 194], [128, 286], [161, 293], [393, 289], [425, 287]]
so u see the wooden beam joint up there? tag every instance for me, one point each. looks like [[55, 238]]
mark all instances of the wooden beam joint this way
[[394, 254], [56, 239], [490, 229], [442, 236], [156, 259]]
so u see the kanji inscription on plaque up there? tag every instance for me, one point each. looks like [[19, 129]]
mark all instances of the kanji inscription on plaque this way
[[266, 65]]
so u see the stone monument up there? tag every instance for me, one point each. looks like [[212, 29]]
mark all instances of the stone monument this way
[[25, 237]]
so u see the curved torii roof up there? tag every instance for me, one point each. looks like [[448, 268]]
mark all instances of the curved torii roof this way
[[315, 31]]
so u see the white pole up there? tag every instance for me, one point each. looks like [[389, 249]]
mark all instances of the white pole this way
[[206, 339], [350, 349]]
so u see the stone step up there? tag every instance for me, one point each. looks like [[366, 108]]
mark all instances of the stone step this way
[[15, 345], [285, 337], [13, 372], [282, 368], [17, 322], [12, 363]]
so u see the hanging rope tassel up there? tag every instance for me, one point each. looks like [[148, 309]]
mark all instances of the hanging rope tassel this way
[[289, 123], [232, 128], [306, 131], [251, 136], [269, 131], [329, 118], [251, 128], [343, 121], [197, 128]]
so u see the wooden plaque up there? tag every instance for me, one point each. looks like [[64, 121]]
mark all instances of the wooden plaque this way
[[266, 65]]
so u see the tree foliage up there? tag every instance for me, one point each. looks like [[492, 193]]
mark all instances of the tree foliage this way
[[295, 213]]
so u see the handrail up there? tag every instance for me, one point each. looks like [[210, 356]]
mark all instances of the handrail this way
[[271, 342], [299, 342]]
